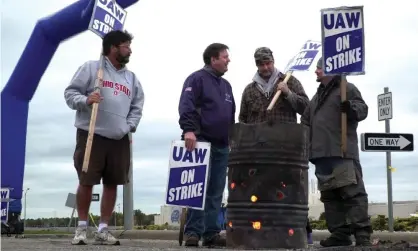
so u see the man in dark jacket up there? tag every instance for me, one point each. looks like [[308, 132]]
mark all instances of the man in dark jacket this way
[[340, 178], [207, 112]]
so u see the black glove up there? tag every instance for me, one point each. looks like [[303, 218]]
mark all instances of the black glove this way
[[345, 106]]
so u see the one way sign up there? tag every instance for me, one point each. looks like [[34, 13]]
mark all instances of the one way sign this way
[[387, 142]]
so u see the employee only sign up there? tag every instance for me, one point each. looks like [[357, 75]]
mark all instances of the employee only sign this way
[[343, 41], [188, 175], [107, 16]]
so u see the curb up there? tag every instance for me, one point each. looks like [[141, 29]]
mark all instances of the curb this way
[[172, 235]]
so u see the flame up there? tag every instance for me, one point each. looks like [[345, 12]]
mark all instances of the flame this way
[[254, 198], [230, 224], [280, 195], [232, 185], [291, 232], [257, 225]]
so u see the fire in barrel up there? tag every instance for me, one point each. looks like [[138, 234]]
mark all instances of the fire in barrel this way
[[268, 186]]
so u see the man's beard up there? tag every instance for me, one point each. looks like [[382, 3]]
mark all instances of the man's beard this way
[[122, 60]]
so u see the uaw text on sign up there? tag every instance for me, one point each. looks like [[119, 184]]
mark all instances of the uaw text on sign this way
[[303, 60], [107, 16], [343, 40], [187, 177], [5, 198]]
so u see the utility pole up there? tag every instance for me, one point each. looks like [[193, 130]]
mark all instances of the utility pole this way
[[26, 216]]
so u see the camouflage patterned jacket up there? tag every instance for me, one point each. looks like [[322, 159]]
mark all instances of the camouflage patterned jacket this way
[[254, 103]]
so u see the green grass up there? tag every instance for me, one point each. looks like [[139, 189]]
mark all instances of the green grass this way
[[46, 232]]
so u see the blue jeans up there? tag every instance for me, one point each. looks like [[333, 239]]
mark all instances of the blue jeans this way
[[205, 223]]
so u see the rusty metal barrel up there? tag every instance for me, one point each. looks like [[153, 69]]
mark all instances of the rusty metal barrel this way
[[268, 186]]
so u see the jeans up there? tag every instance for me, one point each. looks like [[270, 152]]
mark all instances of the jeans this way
[[205, 223]]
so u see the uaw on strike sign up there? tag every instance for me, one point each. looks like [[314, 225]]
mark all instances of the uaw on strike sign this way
[[5, 199], [343, 40], [188, 175], [107, 16], [303, 60]]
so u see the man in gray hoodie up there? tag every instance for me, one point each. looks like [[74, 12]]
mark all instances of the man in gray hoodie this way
[[121, 101]]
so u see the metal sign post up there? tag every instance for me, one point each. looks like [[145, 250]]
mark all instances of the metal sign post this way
[[388, 158], [128, 198]]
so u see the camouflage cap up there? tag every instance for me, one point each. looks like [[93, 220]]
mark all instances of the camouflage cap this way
[[319, 64], [263, 54]]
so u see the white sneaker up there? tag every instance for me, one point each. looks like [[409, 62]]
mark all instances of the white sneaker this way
[[80, 237], [105, 238]]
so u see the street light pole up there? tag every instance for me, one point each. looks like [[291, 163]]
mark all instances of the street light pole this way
[[24, 222]]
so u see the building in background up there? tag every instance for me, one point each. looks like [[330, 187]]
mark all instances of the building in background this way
[[172, 214], [401, 209]]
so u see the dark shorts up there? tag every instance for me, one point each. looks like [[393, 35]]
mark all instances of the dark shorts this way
[[109, 159]]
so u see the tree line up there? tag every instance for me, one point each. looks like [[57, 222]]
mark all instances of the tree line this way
[[140, 219]]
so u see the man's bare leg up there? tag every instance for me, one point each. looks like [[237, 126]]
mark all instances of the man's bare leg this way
[[83, 198], [84, 194], [107, 204]]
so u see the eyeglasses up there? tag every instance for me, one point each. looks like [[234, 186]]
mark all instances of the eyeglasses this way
[[125, 46]]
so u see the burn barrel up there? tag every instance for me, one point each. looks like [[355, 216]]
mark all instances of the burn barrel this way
[[268, 186]]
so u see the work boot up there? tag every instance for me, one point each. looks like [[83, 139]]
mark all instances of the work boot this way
[[333, 241], [363, 241], [216, 241], [191, 241], [363, 237]]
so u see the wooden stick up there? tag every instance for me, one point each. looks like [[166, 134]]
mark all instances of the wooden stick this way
[[343, 89], [93, 117], [277, 95], [182, 224]]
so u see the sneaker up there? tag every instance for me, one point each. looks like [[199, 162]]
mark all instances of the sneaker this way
[[215, 241], [105, 238], [80, 237], [191, 241]]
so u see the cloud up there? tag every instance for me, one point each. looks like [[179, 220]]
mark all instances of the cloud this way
[[170, 37]]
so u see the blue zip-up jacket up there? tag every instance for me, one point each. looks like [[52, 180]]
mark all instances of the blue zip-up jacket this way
[[207, 107]]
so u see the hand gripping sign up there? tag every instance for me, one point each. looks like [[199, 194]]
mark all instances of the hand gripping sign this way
[[343, 50], [302, 61], [107, 16]]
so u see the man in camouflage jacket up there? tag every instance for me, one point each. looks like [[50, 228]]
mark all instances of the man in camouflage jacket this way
[[266, 82]]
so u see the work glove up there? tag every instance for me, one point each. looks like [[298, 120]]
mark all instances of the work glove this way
[[345, 107]]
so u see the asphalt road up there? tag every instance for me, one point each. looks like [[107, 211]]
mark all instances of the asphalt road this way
[[13, 244]]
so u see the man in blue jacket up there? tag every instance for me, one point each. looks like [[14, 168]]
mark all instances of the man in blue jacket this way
[[207, 113]]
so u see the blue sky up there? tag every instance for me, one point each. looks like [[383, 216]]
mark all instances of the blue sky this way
[[170, 37]]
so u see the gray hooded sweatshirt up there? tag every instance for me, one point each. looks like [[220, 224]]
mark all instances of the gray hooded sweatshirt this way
[[123, 99]]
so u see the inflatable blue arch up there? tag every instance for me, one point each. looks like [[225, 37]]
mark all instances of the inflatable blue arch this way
[[47, 35]]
